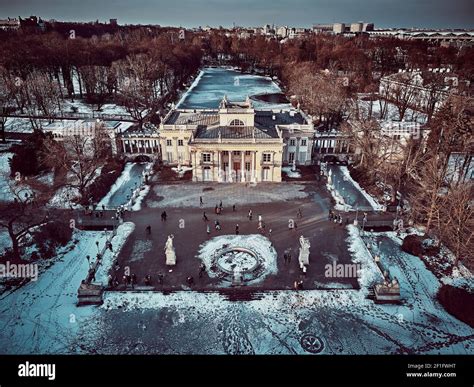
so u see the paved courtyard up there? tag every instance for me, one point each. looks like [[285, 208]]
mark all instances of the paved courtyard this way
[[144, 254]]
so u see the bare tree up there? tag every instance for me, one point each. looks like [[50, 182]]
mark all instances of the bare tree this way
[[138, 90], [26, 212], [44, 95], [456, 222], [402, 89], [81, 154], [99, 82]]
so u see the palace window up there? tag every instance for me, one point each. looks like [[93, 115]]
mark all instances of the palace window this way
[[267, 157], [247, 166], [206, 157], [236, 122], [303, 142], [169, 142], [180, 142], [247, 153], [292, 142], [236, 153], [291, 156]]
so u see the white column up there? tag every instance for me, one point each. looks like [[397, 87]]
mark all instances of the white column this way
[[254, 167], [242, 167], [231, 166], [219, 172]]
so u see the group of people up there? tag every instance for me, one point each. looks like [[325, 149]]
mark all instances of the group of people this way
[[336, 218], [131, 280]]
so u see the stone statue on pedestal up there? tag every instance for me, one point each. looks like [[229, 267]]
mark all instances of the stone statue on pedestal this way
[[170, 252]]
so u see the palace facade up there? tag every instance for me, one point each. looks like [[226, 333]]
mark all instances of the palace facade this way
[[236, 143]]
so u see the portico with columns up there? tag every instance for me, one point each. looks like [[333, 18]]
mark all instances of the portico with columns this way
[[231, 144]]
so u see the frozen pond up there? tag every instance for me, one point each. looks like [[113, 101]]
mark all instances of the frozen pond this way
[[127, 182], [213, 83]]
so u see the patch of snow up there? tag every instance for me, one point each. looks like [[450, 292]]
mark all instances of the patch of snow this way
[[42, 317], [121, 236], [290, 173], [259, 244]]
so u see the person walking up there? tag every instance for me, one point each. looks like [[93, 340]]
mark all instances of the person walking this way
[[217, 225], [220, 205], [208, 230], [202, 269], [269, 232], [250, 215], [204, 216], [233, 208], [148, 229], [216, 208], [299, 214], [190, 280], [161, 278], [147, 280], [200, 201], [289, 257], [285, 257], [237, 229]]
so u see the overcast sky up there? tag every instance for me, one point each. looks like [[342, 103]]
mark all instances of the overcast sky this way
[[191, 13]]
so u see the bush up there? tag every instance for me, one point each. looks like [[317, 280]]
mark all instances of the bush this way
[[27, 158], [418, 245], [456, 301], [413, 244], [53, 234]]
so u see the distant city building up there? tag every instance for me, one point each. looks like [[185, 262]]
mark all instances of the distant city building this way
[[9, 24], [338, 28], [323, 28], [442, 37], [357, 27], [282, 31]]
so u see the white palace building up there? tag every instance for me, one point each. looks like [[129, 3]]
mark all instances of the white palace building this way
[[236, 143]]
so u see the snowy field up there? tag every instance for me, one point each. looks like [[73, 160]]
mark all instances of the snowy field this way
[[230, 194], [392, 113], [212, 84], [42, 317]]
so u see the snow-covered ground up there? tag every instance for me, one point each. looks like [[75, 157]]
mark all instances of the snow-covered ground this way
[[42, 316], [127, 186], [230, 194], [5, 191], [392, 113], [347, 193], [259, 244], [123, 232], [290, 173], [212, 84], [79, 106]]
